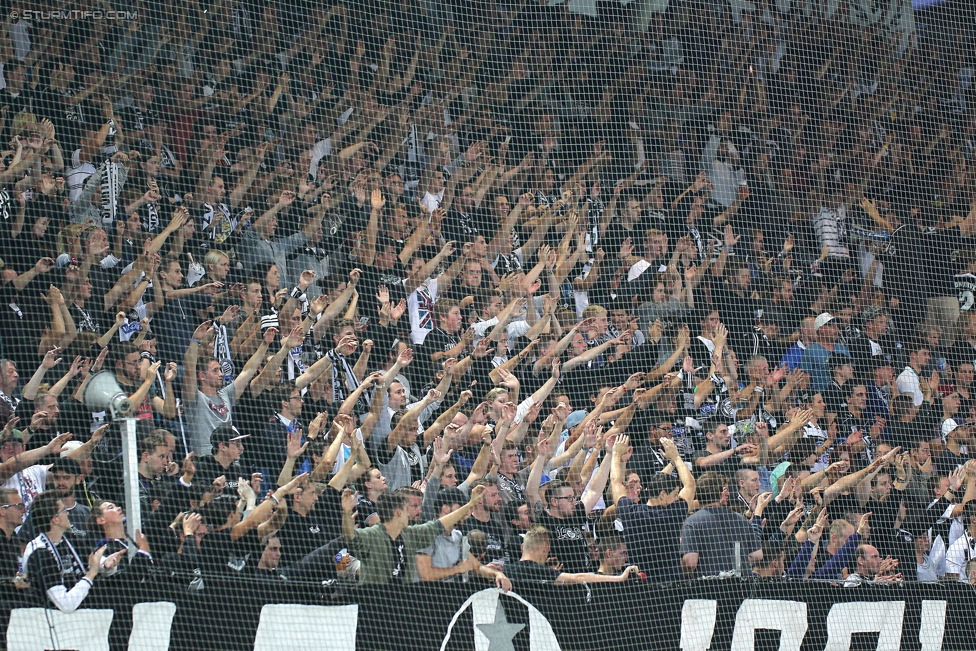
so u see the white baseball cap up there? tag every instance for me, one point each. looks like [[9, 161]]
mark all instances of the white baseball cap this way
[[949, 425], [823, 319], [70, 447]]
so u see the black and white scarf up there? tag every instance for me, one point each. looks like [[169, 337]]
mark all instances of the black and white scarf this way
[[344, 380], [10, 401], [112, 181], [223, 355], [224, 224]]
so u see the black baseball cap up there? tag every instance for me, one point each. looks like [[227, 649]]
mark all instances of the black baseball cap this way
[[226, 434]]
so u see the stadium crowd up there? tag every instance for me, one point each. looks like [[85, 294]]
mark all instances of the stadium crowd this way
[[486, 292]]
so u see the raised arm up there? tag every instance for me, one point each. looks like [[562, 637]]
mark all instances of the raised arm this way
[[534, 481], [243, 379], [263, 510], [590, 354], [597, 483], [688, 484], [454, 518], [409, 419], [433, 431], [31, 457], [200, 336], [844, 484], [621, 449]]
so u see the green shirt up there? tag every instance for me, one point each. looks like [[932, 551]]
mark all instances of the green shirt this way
[[375, 550]]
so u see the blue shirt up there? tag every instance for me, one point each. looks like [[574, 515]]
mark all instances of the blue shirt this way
[[814, 362], [792, 357]]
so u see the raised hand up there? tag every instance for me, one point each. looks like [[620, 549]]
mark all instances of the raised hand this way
[[477, 495], [191, 523], [51, 359], [189, 468], [396, 311], [670, 450], [817, 529], [762, 502], [95, 561], [442, 453], [622, 444], [295, 447], [864, 526], [55, 445]]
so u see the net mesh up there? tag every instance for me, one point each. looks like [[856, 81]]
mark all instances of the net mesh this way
[[487, 325]]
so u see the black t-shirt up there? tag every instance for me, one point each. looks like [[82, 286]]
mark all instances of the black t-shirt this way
[[567, 542], [174, 325], [208, 470], [436, 341], [251, 416], [949, 461], [653, 535], [439, 341], [245, 552], [844, 504], [616, 234], [461, 226], [372, 278], [836, 398], [494, 533], [364, 509], [648, 460], [530, 571], [701, 354], [301, 535], [738, 312], [9, 558], [53, 104]]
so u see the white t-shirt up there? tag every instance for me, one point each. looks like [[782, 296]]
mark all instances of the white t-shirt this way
[[29, 482], [432, 201], [908, 382], [76, 175], [960, 552]]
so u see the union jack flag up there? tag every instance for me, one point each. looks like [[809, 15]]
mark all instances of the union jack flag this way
[[425, 308]]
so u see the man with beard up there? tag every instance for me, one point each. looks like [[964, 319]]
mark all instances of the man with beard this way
[[562, 518], [485, 518], [144, 393], [65, 475], [22, 471]]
